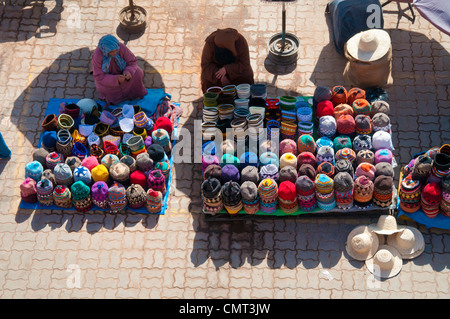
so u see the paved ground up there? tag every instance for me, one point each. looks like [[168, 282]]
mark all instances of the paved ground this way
[[45, 51]]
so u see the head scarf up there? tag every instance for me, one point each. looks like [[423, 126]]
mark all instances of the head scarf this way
[[107, 44], [226, 38]]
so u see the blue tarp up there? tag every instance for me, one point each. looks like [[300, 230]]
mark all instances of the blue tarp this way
[[53, 108], [349, 17]]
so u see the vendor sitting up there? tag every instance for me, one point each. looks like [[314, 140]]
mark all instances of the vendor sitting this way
[[225, 60], [117, 76]]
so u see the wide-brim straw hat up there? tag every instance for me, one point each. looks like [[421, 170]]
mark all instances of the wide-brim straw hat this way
[[369, 45], [362, 243], [386, 263], [386, 225], [409, 242]]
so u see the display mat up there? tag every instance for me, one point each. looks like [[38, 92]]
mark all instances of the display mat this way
[[223, 215], [53, 108]]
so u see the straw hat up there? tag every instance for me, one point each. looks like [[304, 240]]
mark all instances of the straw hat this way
[[362, 243], [386, 263], [369, 45], [386, 225], [409, 242]]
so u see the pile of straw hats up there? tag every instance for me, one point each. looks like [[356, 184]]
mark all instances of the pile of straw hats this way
[[384, 245]]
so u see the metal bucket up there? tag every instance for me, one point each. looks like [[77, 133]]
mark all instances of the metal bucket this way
[[133, 19], [290, 53]]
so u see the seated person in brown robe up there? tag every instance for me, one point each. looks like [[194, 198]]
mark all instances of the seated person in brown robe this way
[[225, 60]]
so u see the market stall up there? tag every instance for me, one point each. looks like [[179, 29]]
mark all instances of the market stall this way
[[114, 160], [265, 156]]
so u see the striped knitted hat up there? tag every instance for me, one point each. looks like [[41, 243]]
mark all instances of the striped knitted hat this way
[[383, 191], [361, 106], [268, 191], [117, 198], [231, 197], [153, 202], [62, 196], [346, 154], [342, 109], [343, 190], [344, 165], [325, 154], [346, 124], [269, 171], [34, 170], [324, 184], [81, 196], [157, 181], [52, 159], [44, 189], [326, 168], [100, 194], [363, 191], [324, 141], [250, 197], [287, 197], [363, 124]]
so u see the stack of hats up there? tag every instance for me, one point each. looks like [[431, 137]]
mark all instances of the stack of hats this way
[[117, 198], [363, 192], [62, 196], [343, 190], [28, 191], [81, 196], [99, 193], [231, 197], [383, 191], [211, 191], [287, 197], [154, 201], [306, 196], [250, 197], [431, 196], [325, 192], [268, 195], [422, 168], [410, 194], [44, 189], [445, 201]]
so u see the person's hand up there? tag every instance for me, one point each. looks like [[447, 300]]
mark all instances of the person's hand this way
[[121, 78], [127, 75], [221, 73], [224, 80]]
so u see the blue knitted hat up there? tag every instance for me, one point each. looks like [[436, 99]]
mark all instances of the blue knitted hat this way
[[249, 158], [49, 139], [83, 174], [34, 170]]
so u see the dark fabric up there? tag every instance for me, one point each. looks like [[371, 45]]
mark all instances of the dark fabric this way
[[223, 56], [349, 17]]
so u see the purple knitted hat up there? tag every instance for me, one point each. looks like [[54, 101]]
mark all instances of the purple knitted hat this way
[[100, 194], [230, 173]]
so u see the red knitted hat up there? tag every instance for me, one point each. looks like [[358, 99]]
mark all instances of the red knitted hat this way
[[338, 95], [306, 158], [324, 108], [287, 191], [346, 124], [432, 193], [138, 177], [164, 123]]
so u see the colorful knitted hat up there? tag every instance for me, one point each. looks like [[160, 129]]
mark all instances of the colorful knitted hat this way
[[154, 201], [304, 185], [117, 198], [346, 154], [62, 196], [362, 142], [346, 124], [365, 169], [63, 174], [361, 106], [305, 143], [250, 197], [324, 108], [326, 168], [269, 171], [120, 172], [48, 174], [324, 184], [306, 158], [44, 189], [365, 156], [109, 159], [383, 155], [324, 141], [250, 173], [230, 159], [165, 123], [64, 143], [138, 177], [73, 162], [287, 173], [363, 124], [338, 95], [355, 94], [287, 197], [34, 170], [100, 194], [325, 154], [344, 165], [230, 173], [363, 192], [308, 170], [129, 161], [81, 173], [136, 196], [430, 199], [90, 162], [341, 142], [141, 119], [28, 192], [343, 182], [100, 173], [383, 191], [79, 150], [164, 167], [342, 109], [327, 125], [161, 137], [157, 181], [288, 159], [53, 159]]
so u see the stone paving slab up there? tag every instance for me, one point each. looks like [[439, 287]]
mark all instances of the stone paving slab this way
[[45, 49]]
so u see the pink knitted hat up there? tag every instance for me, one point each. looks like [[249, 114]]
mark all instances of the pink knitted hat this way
[[90, 162]]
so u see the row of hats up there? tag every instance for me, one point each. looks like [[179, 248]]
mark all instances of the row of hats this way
[[384, 245], [115, 198], [426, 184]]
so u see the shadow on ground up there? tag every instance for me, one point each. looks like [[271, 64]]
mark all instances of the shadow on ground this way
[[69, 77]]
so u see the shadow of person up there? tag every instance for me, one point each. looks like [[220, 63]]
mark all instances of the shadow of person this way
[[69, 77], [236, 241], [24, 19]]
